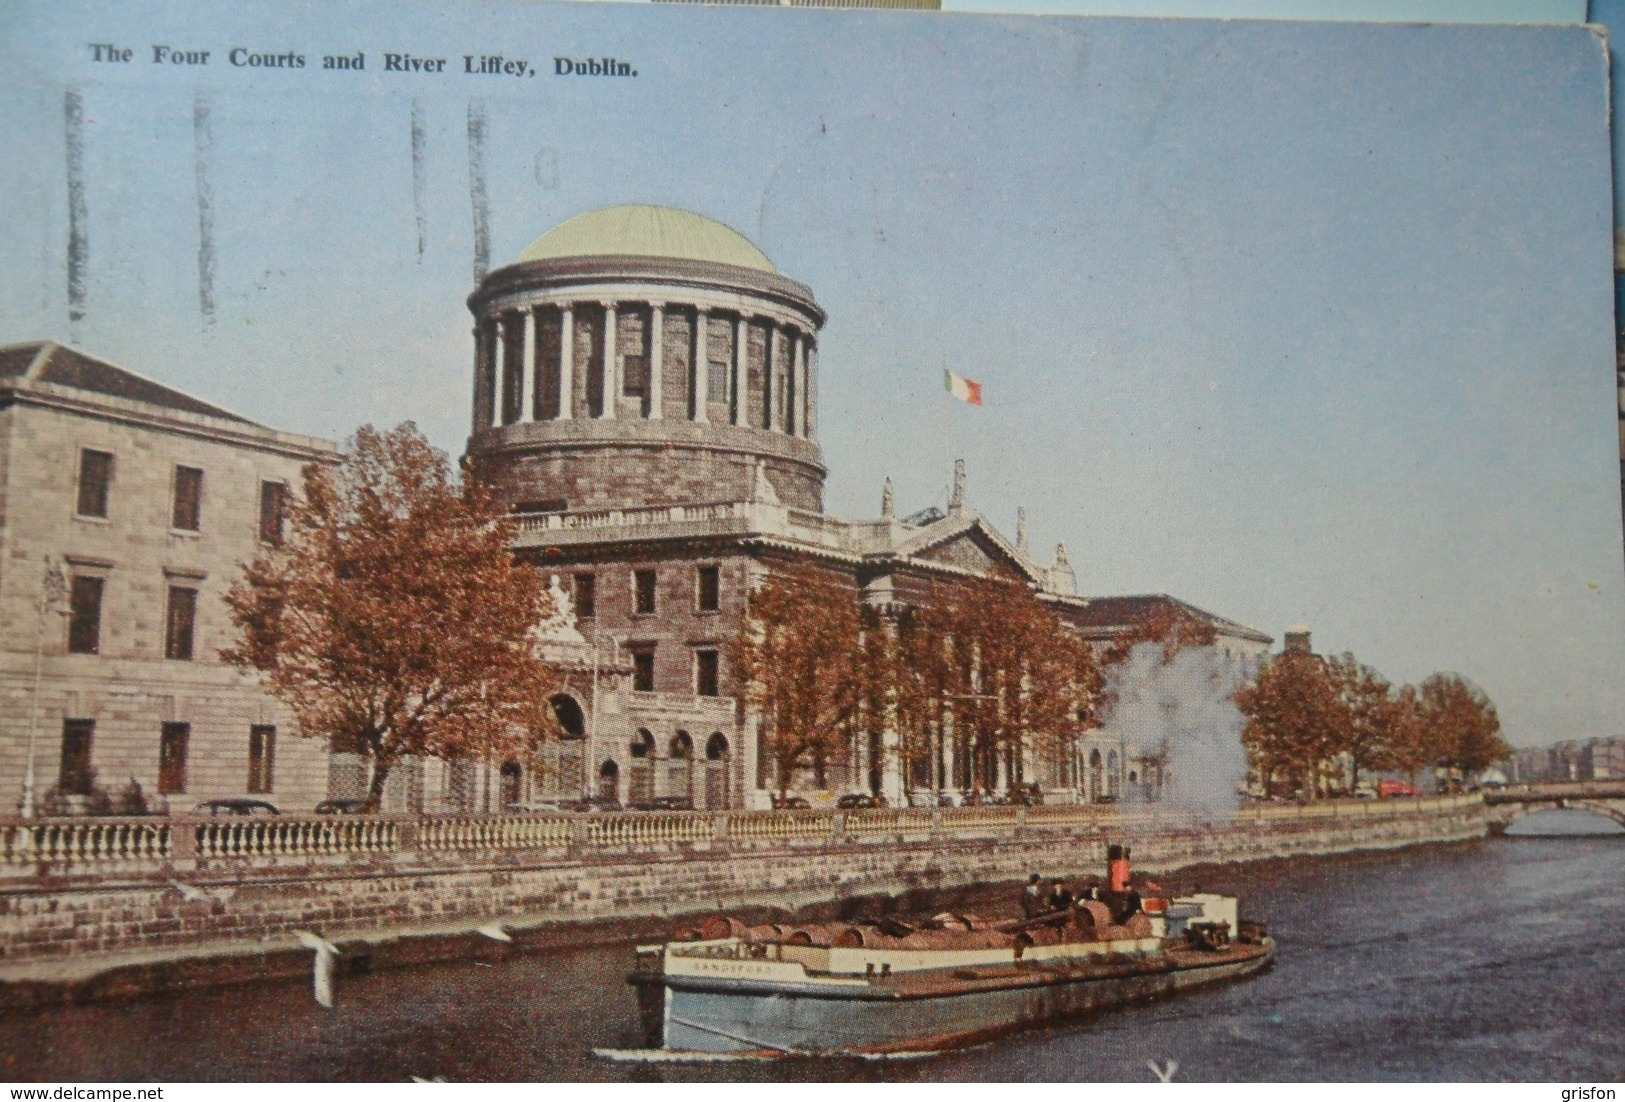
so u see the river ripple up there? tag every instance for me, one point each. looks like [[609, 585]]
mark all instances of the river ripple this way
[[1495, 960]]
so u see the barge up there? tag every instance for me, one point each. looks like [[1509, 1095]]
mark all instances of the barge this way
[[891, 986]]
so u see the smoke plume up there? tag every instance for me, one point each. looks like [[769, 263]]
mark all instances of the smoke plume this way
[[1185, 705]]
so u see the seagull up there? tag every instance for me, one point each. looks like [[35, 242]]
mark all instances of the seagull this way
[[323, 976], [1163, 1074], [494, 931]]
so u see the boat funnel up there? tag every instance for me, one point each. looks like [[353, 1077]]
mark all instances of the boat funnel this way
[[1117, 868]]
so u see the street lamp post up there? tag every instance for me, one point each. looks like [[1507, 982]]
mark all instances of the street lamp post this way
[[52, 598]]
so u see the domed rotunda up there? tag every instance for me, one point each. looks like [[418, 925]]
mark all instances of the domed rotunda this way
[[640, 356]]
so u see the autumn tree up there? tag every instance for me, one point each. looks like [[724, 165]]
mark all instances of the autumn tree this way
[[1021, 684], [1367, 729], [393, 620], [1410, 747], [1463, 724], [1295, 719], [799, 656]]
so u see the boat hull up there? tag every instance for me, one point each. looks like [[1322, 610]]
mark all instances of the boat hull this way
[[921, 1014]]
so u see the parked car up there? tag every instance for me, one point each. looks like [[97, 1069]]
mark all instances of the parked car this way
[[671, 803], [790, 803], [235, 806], [1389, 790], [1105, 798], [859, 801], [342, 807]]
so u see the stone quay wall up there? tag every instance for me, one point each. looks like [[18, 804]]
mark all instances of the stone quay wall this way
[[73, 892]]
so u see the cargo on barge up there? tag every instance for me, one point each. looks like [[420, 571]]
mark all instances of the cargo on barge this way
[[899, 986]]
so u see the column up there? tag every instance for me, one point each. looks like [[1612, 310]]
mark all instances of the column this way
[[737, 389], [567, 361], [499, 369], [527, 369], [657, 345], [950, 752], [792, 393], [811, 419], [803, 383], [482, 378], [612, 361], [770, 363], [699, 387]]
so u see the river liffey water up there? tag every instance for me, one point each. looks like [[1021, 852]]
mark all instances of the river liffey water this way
[[1495, 960]]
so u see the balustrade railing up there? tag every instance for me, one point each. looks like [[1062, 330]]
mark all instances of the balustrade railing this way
[[508, 832], [82, 841], [776, 825], [295, 837], [636, 829], [32, 847]]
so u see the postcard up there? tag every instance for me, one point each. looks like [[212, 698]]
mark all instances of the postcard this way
[[1057, 548]]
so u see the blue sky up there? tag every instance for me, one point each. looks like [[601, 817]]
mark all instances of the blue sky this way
[[1302, 323]]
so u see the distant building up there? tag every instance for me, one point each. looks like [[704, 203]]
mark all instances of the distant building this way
[[142, 503], [1573, 760]]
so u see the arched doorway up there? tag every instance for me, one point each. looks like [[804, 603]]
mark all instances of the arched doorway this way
[[716, 771], [512, 786], [609, 782], [569, 757], [680, 769], [641, 782]]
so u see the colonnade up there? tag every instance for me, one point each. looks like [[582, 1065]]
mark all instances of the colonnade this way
[[516, 379]]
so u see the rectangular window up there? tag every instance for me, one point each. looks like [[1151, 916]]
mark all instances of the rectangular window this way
[[261, 757], [643, 671], [172, 740], [705, 673], [644, 584], [95, 476], [180, 623], [586, 586], [76, 776], [634, 376], [187, 514], [273, 504], [716, 381], [85, 615], [709, 585]]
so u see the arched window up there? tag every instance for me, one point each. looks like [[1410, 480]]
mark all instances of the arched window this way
[[569, 716], [717, 779], [609, 782], [680, 771], [641, 781]]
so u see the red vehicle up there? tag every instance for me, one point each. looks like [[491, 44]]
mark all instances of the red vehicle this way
[[1390, 790]]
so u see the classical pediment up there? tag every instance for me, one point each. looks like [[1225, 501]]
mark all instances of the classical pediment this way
[[967, 544]]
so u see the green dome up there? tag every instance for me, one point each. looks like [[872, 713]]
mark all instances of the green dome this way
[[636, 230]]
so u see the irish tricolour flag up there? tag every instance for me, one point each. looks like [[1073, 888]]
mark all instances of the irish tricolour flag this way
[[964, 389]]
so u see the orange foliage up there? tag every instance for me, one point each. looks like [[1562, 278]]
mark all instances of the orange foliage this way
[[394, 620]]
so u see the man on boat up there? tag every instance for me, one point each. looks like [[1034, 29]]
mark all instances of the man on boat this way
[[1032, 897]]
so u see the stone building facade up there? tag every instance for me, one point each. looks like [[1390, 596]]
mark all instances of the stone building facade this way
[[126, 511], [673, 467]]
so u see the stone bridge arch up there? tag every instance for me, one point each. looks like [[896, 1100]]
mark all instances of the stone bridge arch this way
[[1505, 815]]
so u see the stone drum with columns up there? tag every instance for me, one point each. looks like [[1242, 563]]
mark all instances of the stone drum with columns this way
[[642, 355]]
